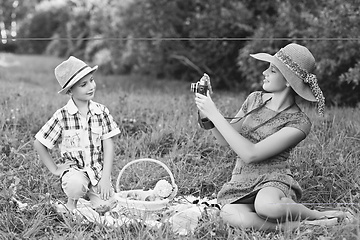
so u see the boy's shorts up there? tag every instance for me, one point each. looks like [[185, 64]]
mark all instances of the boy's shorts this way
[[76, 184]]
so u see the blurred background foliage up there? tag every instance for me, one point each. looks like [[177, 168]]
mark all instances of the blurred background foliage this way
[[127, 37]]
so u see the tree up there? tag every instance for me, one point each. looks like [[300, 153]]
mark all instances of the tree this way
[[133, 36], [186, 59], [338, 60], [12, 12], [48, 18], [314, 24]]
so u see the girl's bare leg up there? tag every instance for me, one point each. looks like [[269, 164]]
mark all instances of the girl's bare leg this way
[[271, 203], [271, 208], [244, 216]]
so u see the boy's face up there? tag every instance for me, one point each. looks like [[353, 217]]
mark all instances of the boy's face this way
[[84, 90]]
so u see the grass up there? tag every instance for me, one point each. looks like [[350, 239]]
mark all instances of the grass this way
[[163, 126]]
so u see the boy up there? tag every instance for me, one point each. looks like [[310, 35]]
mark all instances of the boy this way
[[83, 129]]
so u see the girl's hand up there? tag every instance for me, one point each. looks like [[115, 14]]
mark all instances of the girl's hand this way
[[206, 105], [104, 188], [62, 167]]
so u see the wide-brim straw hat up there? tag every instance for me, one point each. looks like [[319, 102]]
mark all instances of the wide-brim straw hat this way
[[70, 72], [297, 64]]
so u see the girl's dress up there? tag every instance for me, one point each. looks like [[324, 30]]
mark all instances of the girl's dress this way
[[247, 179]]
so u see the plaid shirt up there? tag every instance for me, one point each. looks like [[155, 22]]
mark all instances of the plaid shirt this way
[[80, 138]]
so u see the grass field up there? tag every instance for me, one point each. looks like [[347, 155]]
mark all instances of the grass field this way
[[163, 126]]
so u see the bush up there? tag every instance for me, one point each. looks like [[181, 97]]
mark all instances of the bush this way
[[337, 60], [349, 83], [49, 18], [10, 46], [132, 33], [183, 59], [102, 58]]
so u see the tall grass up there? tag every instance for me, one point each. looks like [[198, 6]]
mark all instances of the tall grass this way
[[157, 120]]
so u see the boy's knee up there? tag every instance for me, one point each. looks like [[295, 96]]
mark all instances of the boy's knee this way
[[74, 184]]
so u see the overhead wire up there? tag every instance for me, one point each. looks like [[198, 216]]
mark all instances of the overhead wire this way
[[186, 38]]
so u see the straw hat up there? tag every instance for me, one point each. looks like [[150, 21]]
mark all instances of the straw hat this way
[[70, 72], [297, 64]]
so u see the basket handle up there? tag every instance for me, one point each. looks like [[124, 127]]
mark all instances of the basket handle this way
[[175, 187]]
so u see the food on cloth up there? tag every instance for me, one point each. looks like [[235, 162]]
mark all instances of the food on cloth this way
[[163, 188], [133, 196]]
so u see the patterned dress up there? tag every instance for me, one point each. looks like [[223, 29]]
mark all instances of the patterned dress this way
[[248, 178]]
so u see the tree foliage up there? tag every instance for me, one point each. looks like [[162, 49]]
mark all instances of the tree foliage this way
[[132, 36], [181, 59], [45, 22], [338, 61], [328, 29]]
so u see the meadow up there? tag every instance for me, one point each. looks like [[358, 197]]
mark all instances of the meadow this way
[[158, 120]]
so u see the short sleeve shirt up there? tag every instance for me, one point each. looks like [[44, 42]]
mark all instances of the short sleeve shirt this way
[[297, 120], [80, 138]]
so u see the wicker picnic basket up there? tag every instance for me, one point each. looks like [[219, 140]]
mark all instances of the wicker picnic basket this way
[[142, 205]]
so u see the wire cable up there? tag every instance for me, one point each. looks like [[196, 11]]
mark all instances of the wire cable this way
[[185, 39]]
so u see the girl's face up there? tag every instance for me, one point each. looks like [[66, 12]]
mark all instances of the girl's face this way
[[274, 80], [84, 90]]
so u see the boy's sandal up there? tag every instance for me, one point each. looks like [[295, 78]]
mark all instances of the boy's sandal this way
[[82, 215], [61, 208]]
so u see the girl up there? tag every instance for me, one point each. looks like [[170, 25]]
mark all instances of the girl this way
[[262, 192]]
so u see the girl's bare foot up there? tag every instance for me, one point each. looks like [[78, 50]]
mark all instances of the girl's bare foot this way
[[347, 216]]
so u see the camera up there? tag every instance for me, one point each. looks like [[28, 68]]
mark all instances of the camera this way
[[202, 85]]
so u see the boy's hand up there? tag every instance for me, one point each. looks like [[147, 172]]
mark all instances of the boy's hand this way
[[104, 188], [62, 167]]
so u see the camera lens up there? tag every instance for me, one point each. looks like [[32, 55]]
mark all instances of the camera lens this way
[[193, 87]]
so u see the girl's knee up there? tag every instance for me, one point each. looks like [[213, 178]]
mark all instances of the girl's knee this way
[[268, 210], [234, 216], [268, 204]]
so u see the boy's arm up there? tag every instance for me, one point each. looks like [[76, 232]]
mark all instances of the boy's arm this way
[[104, 185], [108, 146], [48, 161]]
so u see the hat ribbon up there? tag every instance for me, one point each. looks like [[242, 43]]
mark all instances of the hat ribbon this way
[[306, 77], [72, 77]]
